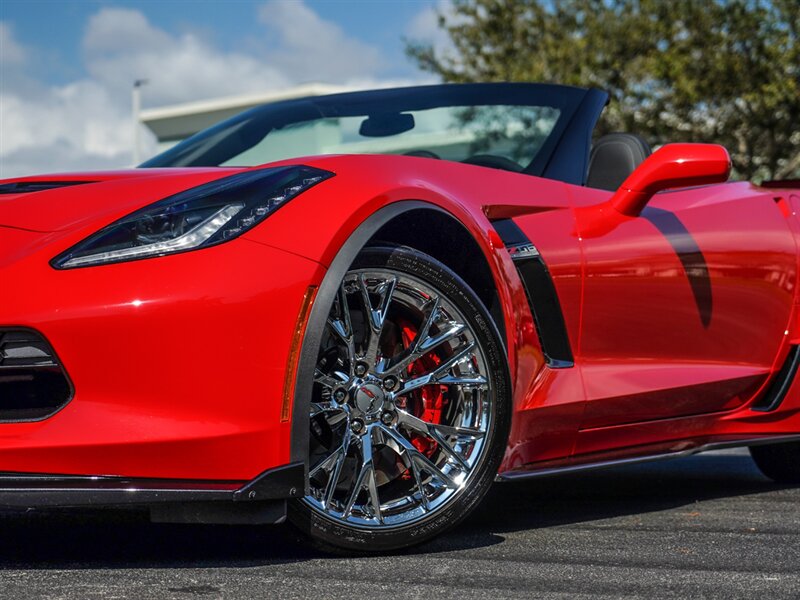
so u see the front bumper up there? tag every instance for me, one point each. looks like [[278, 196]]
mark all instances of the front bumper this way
[[177, 363]]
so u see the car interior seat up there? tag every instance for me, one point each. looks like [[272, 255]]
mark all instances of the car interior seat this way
[[613, 158]]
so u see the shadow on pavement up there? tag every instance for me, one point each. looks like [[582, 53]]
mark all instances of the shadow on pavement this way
[[126, 539]]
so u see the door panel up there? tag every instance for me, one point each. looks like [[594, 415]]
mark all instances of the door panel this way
[[686, 306]]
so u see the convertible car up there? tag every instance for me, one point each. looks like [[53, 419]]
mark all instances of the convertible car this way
[[361, 310]]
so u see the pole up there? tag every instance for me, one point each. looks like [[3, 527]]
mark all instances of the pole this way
[[136, 101]]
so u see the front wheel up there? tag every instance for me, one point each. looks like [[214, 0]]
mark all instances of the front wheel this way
[[411, 406]]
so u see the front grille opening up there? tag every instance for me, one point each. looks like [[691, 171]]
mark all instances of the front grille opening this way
[[33, 385]]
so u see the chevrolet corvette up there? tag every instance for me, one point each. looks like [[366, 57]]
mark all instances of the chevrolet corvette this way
[[359, 311]]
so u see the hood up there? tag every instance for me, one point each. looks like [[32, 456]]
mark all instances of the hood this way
[[48, 203]]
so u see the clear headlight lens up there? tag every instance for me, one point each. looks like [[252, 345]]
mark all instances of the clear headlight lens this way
[[197, 218]]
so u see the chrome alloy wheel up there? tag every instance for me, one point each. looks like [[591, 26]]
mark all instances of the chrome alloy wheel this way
[[401, 405]]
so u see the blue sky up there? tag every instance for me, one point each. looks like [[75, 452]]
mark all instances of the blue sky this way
[[66, 67], [56, 27]]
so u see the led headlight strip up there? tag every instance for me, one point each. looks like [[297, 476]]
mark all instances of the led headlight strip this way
[[203, 216]]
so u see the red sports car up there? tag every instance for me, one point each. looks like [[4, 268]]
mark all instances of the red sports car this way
[[361, 310]]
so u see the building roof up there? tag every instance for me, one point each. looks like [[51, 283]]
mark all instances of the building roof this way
[[179, 121]]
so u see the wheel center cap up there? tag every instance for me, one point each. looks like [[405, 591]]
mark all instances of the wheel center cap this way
[[369, 398]]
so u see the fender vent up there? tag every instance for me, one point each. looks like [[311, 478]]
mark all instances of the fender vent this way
[[33, 385], [541, 294], [777, 390]]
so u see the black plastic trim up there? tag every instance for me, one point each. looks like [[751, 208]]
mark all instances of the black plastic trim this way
[[33, 490], [779, 387], [541, 294], [288, 481], [29, 187]]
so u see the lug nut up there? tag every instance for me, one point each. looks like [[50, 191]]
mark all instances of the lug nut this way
[[357, 426], [389, 384], [387, 418], [339, 395], [361, 369]]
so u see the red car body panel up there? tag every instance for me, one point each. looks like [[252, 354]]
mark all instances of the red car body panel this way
[[178, 363]]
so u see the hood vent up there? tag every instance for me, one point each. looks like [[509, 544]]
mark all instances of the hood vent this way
[[26, 187]]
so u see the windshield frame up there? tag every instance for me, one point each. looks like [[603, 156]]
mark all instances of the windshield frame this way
[[572, 103]]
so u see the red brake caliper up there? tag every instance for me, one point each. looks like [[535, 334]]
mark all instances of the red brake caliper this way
[[428, 402]]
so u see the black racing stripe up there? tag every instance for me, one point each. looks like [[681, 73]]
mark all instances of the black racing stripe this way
[[690, 255]]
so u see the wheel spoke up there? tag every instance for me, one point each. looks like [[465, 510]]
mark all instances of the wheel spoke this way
[[415, 456], [443, 336], [432, 313], [477, 381], [324, 407], [409, 355], [423, 342], [333, 479], [424, 427], [329, 381], [366, 480], [334, 458], [438, 374], [420, 486], [322, 465], [376, 316], [432, 431], [342, 325]]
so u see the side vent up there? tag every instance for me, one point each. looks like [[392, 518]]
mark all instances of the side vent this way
[[541, 293], [777, 390]]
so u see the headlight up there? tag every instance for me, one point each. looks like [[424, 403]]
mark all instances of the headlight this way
[[197, 218]]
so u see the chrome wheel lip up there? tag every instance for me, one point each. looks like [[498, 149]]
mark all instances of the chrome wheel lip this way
[[380, 422]]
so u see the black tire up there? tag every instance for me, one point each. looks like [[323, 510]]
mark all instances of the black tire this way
[[335, 536], [779, 462]]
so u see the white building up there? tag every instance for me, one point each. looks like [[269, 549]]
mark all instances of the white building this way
[[171, 124]]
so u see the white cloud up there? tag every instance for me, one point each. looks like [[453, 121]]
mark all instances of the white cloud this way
[[424, 27], [121, 46], [61, 128], [11, 52], [78, 125], [312, 48], [86, 124]]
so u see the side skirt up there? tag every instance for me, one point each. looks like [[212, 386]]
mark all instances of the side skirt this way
[[722, 445]]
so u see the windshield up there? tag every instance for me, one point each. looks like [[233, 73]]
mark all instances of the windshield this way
[[508, 126]]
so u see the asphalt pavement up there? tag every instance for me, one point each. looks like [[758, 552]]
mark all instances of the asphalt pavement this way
[[709, 526]]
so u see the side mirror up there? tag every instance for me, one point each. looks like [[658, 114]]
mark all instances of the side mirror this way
[[671, 166]]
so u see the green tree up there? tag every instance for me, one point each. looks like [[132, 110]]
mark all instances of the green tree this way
[[724, 71]]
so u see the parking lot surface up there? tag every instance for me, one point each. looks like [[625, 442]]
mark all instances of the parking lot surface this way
[[709, 526]]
